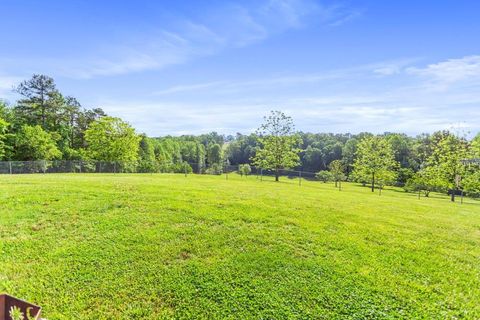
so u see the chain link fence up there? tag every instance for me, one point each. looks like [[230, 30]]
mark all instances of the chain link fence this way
[[90, 166]]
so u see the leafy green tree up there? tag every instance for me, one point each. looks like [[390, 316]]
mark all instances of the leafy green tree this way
[[3, 138], [146, 155], [242, 149], [111, 139], [214, 153], [375, 161], [194, 153], [244, 169], [422, 181], [402, 148], [83, 121], [476, 146], [446, 162], [278, 144], [338, 171], [471, 182], [403, 175], [211, 138], [215, 169], [33, 143], [324, 176], [348, 154]]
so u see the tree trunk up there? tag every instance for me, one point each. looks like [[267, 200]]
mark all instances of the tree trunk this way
[[276, 175], [336, 183], [373, 182], [452, 197]]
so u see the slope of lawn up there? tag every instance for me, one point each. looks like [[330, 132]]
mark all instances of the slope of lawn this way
[[165, 246]]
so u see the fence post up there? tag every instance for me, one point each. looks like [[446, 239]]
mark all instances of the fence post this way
[[10, 166]]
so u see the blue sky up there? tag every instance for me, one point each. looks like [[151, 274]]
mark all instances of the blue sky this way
[[180, 67]]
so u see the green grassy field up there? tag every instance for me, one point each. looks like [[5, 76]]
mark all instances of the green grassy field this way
[[165, 246]]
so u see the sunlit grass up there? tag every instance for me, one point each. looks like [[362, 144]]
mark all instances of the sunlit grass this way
[[101, 246]]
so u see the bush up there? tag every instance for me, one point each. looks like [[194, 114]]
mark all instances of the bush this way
[[215, 168], [182, 167], [147, 166], [404, 174], [244, 169], [324, 176]]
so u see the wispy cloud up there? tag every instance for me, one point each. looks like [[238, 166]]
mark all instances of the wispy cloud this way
[[445, 73], [346, 17], [188, 88], [387, 68], [7, 84], [345, 100], [229, 25]]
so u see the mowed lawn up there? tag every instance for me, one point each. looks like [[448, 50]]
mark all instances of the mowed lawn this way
[[140, 246]]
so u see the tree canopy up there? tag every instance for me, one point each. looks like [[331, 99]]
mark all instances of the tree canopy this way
[[375, 161], [278, 144], [111, 139]]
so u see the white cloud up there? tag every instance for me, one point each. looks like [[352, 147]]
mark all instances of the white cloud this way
[[216, 29], [188, 88], [7, 84], [346, 100], [449, 72]]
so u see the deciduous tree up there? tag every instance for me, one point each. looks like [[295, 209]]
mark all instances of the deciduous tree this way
[[278, 144], [338, 171], [34, 143], [375, 161], [111, 139], [446, 162]]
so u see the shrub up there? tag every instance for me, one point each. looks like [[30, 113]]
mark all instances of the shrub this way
[[244, 169], [324, 176], [215, 169]]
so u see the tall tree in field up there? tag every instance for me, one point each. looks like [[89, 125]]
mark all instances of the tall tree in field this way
[[446, 162], [111, 139], [338, 171], [375, 160], [278, 144], [37, 99]]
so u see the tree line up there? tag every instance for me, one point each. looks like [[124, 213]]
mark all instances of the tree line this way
[[44, 124]]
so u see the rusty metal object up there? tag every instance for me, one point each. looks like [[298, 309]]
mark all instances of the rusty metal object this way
[[7, 302]]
